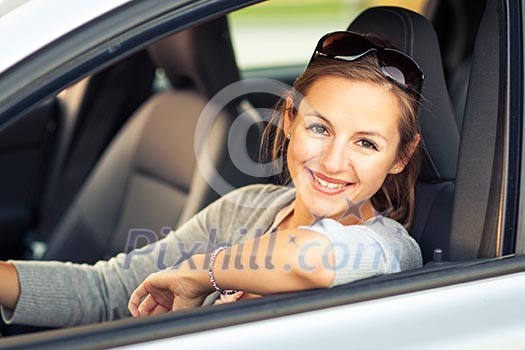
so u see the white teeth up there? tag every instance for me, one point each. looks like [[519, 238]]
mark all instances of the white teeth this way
[[328, 184]]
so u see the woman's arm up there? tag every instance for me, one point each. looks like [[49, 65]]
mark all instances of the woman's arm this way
[[288, 260], [285, 261], [9, 288]]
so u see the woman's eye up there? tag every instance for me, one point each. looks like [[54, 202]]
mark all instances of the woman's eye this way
[[368, 144], [318, 129]]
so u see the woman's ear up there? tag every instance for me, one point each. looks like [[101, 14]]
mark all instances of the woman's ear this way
[[288, 116], [401, 164]]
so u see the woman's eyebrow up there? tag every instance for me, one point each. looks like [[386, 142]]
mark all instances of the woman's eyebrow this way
[[318, 115], [368, 133]]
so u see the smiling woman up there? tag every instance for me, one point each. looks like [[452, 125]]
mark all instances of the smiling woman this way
[[349, 131]]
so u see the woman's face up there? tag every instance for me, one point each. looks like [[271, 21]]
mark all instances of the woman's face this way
[[343, 143]]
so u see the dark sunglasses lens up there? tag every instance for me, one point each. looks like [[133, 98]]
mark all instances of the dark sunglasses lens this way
[[394, 73], [401, 68], [344, 44]]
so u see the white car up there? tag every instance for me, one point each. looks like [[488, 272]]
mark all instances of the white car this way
[[100, 134]]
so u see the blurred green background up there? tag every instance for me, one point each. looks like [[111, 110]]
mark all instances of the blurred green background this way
[[284, 32]]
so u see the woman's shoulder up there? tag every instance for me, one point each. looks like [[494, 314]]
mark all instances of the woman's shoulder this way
[[398, 238], [386, 225], [379, 231], [264, 188], [261, 196], [378, 226]]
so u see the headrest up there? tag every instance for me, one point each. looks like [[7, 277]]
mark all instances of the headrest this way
[[199, 58], [414, 34]]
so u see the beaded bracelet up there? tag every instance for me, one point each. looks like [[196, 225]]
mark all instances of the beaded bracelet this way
[[210, 273]]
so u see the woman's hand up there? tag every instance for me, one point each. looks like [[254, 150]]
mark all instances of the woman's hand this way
[[170, 290], [162, 292], [240, 295], [265, 265]]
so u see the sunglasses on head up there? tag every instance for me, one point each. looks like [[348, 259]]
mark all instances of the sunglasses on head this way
[[350, 46]]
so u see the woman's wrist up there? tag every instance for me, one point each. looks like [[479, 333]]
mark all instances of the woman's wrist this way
[[10, 287], [211, 274], [195, 274]]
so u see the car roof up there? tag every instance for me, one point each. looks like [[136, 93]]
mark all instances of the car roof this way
[[28, 25]]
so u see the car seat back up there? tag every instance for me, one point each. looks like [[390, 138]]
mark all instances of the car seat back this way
[[147, 179], [476, 204], [414, 34]]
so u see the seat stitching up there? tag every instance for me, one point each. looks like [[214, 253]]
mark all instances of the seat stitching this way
[[431, 160], [406, 20], [407, 23], [405, 44]]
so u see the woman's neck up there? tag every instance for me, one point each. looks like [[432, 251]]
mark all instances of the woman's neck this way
[[301, 216]]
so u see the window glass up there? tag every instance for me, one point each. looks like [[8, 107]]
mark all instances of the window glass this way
[[284, 32]]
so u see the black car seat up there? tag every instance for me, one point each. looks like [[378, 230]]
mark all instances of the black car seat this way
[[147, 178], [414, 34], [478, 215]]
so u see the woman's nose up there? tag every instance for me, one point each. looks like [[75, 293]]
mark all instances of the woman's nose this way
[[334, 159]]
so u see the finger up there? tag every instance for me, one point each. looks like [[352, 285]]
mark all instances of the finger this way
[[247, 296], [164, 298], [147, 305], [238, 295], [182, 303], [136, 298], [160, 309], [156, 302]]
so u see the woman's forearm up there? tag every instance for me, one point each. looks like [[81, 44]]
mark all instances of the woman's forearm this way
[[9, 287], [288, 260]]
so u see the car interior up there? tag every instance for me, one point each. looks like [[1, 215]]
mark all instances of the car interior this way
[[115, 150]]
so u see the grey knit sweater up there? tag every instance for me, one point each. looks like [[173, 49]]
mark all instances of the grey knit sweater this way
[[60, 294]]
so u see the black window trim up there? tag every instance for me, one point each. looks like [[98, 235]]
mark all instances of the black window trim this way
[[516, 28]]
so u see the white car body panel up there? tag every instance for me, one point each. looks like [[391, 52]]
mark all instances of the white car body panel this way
[[486, 314], [28, 26]]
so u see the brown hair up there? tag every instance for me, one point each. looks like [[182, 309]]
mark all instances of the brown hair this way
[[395, 199]]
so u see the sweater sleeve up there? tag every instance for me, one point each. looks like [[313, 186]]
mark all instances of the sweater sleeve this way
[[57, 294], [367, 250]]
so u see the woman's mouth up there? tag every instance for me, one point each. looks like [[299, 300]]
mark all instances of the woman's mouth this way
[[326, 184]]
